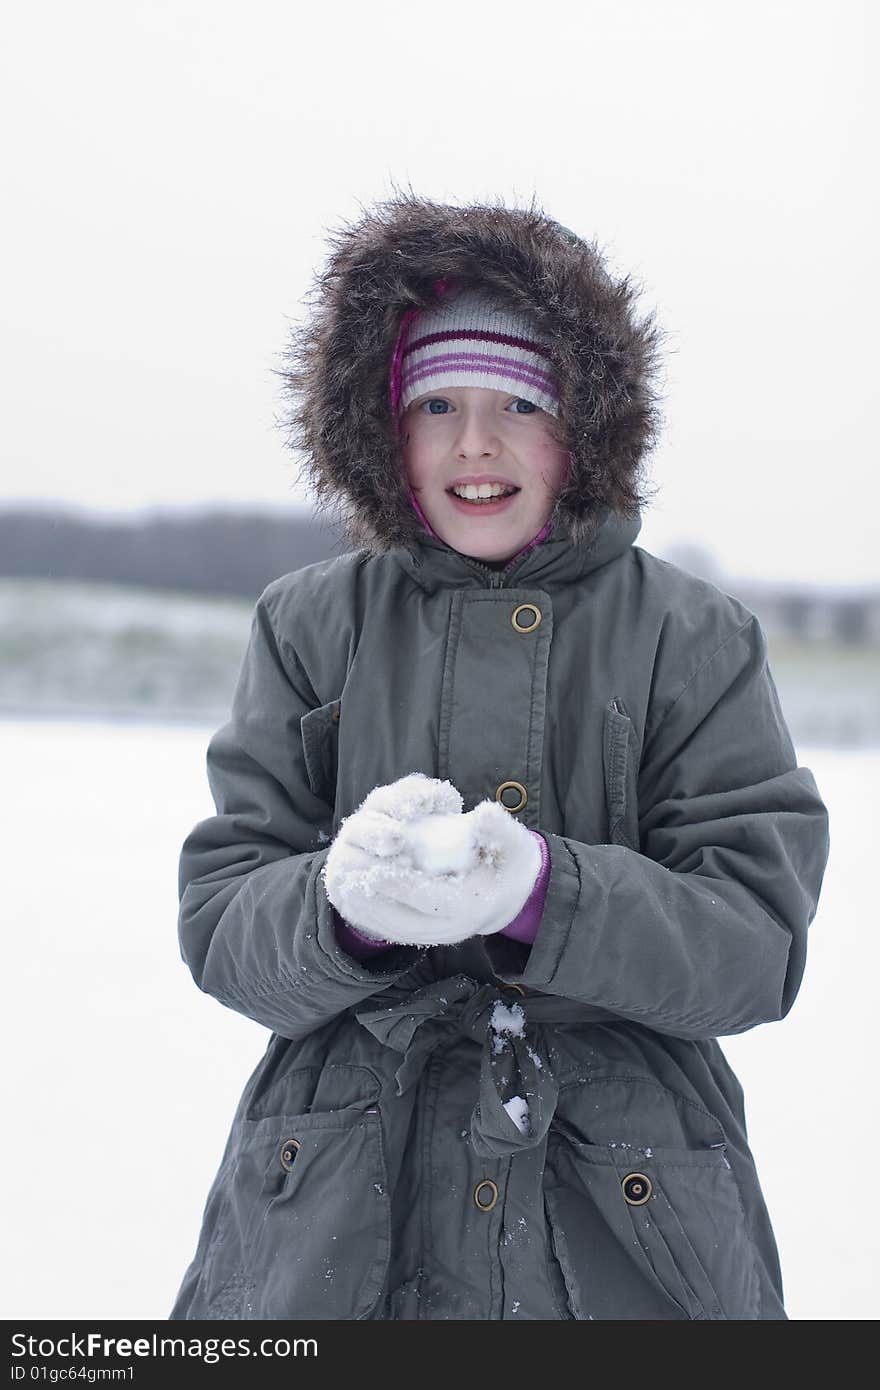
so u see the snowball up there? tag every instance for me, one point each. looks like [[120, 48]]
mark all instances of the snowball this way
[[442, 844]]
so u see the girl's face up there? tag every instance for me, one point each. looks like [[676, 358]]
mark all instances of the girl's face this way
[[470, 434]]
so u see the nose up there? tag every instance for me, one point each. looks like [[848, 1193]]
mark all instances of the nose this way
[[476, 437]]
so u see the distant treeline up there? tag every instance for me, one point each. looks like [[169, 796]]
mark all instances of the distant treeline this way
[[211, 551], [236, 553]]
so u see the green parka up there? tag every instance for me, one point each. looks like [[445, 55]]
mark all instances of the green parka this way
[[371, 1170]]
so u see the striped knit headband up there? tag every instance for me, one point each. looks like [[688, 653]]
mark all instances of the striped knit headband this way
[[469, 339]]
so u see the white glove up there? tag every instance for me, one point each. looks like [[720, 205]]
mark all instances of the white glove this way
[[407, 866]]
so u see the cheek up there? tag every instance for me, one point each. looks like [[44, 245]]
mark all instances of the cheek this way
[[554, 463], [416, 457]]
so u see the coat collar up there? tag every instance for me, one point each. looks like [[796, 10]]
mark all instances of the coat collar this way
[[556, 560]]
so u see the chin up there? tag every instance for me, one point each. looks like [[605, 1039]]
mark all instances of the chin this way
[[505, 552]]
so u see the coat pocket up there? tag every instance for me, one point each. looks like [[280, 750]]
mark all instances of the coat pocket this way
[[307, 1231], [320, 737], [620, 757], [650, 1233]]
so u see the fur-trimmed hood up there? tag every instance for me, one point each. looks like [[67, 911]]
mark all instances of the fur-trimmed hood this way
[[337, 365]]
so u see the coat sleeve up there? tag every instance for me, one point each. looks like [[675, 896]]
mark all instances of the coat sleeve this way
[[255, 925], [702, 931]]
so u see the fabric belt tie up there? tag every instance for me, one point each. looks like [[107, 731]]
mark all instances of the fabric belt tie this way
[[515, 1061]]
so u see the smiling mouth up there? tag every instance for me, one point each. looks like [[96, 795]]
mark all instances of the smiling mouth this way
[[493, 498]]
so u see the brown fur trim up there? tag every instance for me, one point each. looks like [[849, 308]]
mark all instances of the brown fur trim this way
[[337, 364]]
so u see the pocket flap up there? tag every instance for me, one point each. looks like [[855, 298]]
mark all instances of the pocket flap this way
[[620, 760], [320, 737]]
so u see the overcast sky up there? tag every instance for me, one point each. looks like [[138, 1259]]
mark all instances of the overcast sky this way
[[171, 169]]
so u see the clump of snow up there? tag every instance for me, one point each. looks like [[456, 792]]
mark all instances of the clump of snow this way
[[506, 1020], [518, 1110]]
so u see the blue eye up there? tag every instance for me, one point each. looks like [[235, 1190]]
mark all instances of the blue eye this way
[[439, 400]]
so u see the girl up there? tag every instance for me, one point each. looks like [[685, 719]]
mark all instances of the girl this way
[[509, 827]]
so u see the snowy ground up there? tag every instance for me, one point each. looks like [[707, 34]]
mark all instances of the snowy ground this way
[[122, 1077], [70, 649]]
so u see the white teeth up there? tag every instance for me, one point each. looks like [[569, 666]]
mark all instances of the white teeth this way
[[473, 492]]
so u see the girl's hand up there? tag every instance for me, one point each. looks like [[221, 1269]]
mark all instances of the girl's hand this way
[[409, 867]]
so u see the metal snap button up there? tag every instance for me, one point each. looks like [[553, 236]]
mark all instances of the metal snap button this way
[[289, 1151], [531, 617], [334, 714], [637, 1189], [485, 1194], [512, 795]]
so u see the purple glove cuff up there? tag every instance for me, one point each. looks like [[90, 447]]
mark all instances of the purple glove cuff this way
[[353, 943], [524, 926]]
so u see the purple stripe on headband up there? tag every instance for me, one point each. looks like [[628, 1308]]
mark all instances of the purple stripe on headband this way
[[486, 365], [511, 373], [463, 355], [479, 335]]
